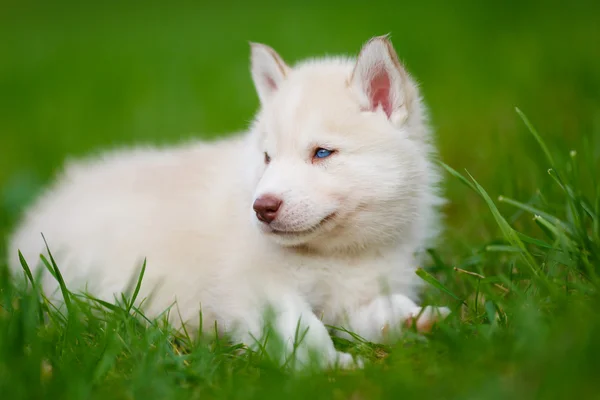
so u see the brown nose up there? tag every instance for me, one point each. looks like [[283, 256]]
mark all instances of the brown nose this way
[[266, 208]]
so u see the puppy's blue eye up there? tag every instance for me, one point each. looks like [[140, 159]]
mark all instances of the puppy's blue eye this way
[[322, 153]]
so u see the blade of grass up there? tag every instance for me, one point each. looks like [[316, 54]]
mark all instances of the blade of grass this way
[[502, 248], [59, 278], [33, 286], [508, 232], [26, 268], [530, 240], [537, 137], [459, 176], [532, 210], [437, 284], [137, 287]]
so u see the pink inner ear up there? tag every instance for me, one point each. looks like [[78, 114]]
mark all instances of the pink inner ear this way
[[270, 82], [379, 90]]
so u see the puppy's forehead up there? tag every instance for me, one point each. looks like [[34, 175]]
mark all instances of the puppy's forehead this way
[[311, 101]]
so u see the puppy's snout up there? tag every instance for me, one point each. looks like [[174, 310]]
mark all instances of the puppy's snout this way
[[266, 208]]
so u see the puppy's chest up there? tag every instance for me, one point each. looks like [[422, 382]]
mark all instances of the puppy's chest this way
[[332, 286]]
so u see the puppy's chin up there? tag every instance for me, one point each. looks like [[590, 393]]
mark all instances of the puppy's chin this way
[[292, 240], [297, 237]]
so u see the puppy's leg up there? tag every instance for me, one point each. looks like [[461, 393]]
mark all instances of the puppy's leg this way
[[304, 336], [386, 316]]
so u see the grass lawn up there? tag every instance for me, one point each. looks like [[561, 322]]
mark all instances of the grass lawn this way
[[520, 259]]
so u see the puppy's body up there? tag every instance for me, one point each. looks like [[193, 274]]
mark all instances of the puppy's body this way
[[340, 146]]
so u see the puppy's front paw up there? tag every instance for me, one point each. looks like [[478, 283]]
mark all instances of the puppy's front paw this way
[[385, 318], [327, 360], [428, 317], [346, 361]]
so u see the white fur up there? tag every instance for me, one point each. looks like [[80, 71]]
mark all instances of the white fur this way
[[188, 209]]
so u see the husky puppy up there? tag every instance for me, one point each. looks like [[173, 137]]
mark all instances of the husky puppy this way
[[321, 211]]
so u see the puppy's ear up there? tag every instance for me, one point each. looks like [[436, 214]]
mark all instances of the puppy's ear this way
[[382, 80], [268, 70]]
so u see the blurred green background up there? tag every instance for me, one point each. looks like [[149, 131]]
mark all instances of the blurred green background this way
[[77, 77]]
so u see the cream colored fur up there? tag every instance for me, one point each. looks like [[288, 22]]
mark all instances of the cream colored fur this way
[[189, 209]]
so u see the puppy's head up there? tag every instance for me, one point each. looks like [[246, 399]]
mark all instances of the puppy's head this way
[[342, 148]]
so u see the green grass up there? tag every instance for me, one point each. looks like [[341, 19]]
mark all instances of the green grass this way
[[520, 257]]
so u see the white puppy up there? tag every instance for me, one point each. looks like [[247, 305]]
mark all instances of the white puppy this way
[[322, 211]]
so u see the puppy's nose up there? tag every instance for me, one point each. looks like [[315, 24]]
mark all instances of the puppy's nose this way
[[266, 208]]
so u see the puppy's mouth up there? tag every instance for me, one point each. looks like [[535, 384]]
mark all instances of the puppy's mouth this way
[[285, 232]]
